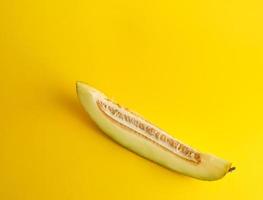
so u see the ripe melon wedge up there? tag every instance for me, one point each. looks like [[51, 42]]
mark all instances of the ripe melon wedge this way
[[142, 137]]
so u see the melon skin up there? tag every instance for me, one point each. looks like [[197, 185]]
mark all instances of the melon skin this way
[[209, 168]]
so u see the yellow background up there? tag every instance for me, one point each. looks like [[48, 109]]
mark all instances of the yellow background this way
[[192, 67]]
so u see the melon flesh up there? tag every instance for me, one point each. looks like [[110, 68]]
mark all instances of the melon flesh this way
[[145, 139]]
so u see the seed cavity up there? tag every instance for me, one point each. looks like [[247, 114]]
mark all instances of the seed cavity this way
[[145, 129]]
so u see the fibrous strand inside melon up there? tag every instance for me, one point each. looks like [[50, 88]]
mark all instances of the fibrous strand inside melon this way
[[145, 129]]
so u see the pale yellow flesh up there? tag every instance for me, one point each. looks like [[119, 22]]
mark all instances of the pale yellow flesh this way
[[210, 167]]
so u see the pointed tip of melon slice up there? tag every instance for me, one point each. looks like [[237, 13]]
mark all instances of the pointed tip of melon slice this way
[[80, 84], [84, 86]]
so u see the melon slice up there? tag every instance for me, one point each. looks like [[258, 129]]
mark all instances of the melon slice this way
[[142, 137]]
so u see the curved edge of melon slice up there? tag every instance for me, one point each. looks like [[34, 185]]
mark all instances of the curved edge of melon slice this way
[[209, 168]]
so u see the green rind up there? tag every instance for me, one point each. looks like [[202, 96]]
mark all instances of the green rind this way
[[210, 167]]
